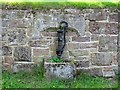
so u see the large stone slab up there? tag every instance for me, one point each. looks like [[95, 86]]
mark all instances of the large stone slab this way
[[103, 27], [102, 58], [23, 66], [17, 37], [59, 70], [22, 53], [107, 43], [104, 71]]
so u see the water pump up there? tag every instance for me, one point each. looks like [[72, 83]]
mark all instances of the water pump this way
[[61, 33]]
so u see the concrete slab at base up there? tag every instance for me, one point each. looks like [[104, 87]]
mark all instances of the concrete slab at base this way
[[59, 70]]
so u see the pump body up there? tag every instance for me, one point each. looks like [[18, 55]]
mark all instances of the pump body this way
[[61, 33]]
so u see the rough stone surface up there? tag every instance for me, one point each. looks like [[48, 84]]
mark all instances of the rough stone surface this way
[[77, 53], [17, 37], [81, 39], [59, 70], [6, 50], [89, 45], [107, 43], [22, 54], [102, 58], [92, 38], [41, 52], [44, 21], [82, 63], [9, 60], [39, 43], [103, 28], [96, 14], [113, 17], [72, 46], [37, 59], [108, 72], [23, 66]]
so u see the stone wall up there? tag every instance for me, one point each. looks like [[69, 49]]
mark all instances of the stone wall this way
[[28, 36]]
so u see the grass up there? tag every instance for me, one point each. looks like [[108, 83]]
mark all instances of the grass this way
[[60, 5], [35, 79]]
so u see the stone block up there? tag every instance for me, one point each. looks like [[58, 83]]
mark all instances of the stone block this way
[[81, 39], [77, 53], [113, 17], [53, 47], [17, 37], [97, 14], [22, 23], [72, 11], [22, 53], [104, 71], [96, 71], [6, 66], [73, 46], [88, 45], [8, 59], [53, 53], [83, 58], [6, 50], [65, 55], [103, 27], [49, 34], [39, 43], [82, 63], [37, 59], [23, 66], [80, 70], [4, 37], [107, 43], [15, 14], [71, 34], [8, 14], [59, 71], [115, 69], [41, 52], [115, 58], [93, 50], [102, 58], [95, 37], [5, 23], [20, 14], [108, 72]]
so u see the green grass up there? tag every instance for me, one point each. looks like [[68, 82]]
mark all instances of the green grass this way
[[35, 79], [60, 5]]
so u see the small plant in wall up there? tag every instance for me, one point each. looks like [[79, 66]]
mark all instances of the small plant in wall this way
[[55, 59]]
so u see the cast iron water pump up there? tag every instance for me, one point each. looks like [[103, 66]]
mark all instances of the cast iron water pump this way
[[61, 37]]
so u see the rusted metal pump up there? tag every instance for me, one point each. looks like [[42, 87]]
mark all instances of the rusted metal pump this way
[[61, 37]]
